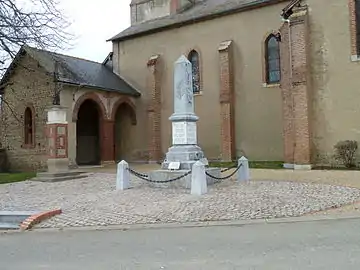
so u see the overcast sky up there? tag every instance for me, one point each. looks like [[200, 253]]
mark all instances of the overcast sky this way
[[94, 22]]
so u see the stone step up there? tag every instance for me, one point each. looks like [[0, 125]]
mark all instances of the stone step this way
[[9, 226], [13, 219], [59, 176]]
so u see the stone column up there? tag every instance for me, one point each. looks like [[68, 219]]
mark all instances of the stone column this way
[[296, 90], [185, 151], [154, 109], [227, 100], [57, 135]]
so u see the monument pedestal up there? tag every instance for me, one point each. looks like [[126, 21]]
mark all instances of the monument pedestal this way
[[186, 155], [185, 182], [184, 152], [57, 137]]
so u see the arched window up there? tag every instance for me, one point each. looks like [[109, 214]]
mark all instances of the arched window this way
[[29, 127], [195, 61], [272, 60]]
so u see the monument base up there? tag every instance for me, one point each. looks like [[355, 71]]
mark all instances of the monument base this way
[[58, 170], [185, 182], [187, 155], [59, 176]]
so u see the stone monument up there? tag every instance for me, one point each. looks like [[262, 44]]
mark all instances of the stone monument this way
[[57, 147], [184, 152], [184, 135]]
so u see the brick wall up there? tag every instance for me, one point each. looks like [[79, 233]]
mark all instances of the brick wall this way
[[227, 99], [27, 77], [296, 88], [353, 37]]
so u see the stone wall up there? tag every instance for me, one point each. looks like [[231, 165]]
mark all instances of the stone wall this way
[[148, 10], [27, 77]]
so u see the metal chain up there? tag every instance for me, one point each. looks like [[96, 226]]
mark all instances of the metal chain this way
[[228, 169], [146, 177], [226, 177]]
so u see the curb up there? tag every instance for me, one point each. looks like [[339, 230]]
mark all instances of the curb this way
[[37, 218], [202, 224]]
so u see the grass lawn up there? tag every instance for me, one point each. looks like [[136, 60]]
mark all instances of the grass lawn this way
[[15, 177], [252, 164]]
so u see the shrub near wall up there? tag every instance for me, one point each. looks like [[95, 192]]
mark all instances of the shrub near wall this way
[[345, 153]]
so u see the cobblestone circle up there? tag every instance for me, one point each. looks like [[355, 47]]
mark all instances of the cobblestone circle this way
[[94, 201]]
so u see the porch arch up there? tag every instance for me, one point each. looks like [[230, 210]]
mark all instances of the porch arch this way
[[88, 96], [123, 116], [89, 114]]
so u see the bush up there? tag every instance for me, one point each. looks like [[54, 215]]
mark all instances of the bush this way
[[345, 152]]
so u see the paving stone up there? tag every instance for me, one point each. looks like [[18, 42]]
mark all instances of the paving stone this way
[[94, 201]]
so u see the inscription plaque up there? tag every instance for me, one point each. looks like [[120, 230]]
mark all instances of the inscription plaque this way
[[184, 133]]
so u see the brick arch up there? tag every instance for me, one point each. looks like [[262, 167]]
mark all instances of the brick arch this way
[[89, 96], [127, 101]]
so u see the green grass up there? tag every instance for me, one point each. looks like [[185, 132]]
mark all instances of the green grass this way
[[330, 168], [15, 177], [252, 164]]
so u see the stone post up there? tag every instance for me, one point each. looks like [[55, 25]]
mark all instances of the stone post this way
[[243, 174], [57, 136], [122, 176], [198, 179], [185, 151]]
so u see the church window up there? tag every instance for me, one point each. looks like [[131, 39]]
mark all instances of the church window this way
[[272, 60], [29, 127], [195, 61]]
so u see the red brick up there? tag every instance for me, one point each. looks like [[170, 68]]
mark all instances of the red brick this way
[[154, 109], [295, 90], [226, 99]]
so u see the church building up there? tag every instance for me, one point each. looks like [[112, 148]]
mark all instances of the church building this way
[[273, 80]]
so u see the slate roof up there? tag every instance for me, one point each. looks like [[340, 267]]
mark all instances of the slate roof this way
[[203, 10], [77, 71]]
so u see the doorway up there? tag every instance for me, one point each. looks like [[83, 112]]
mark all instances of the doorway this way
[[88, 134]]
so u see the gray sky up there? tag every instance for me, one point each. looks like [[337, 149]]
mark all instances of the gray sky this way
[[94, 22]]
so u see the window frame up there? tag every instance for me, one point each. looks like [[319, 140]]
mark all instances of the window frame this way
[[199, 79], [267, 80], [29, 131]]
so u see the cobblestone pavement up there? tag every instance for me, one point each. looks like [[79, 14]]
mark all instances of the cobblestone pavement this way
[[94, 201]]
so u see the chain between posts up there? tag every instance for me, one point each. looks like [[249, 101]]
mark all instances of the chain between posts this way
[[228, 169], [225, 177], [145, 177]]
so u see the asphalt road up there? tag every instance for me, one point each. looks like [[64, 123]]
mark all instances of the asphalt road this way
[[311, 245]]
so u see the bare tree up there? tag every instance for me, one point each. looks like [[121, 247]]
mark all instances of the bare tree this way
[[38, 23]]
